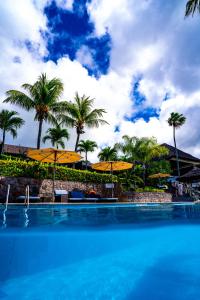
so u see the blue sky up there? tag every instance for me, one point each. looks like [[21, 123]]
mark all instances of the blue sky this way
[[138, 59], [72, 30]]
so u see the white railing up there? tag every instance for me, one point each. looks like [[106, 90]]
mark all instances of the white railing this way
[[27, 194], [7, 195]]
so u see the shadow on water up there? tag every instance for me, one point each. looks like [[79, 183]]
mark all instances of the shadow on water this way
[[173, 277]]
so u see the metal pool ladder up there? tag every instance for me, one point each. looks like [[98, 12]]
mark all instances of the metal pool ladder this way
[[6, 206], [27, 195], [7, 195]]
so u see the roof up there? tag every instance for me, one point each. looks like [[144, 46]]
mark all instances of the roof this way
[[195, 172], [181, 154], [13, 149]]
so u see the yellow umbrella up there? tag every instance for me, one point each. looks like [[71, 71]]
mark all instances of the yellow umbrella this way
[[159, 175], [50, 155], [112, 166]]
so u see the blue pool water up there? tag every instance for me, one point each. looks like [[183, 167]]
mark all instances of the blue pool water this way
[[100, 252]]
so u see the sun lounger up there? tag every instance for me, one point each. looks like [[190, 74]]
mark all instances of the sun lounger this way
[[109, 199], [31, 198], [61, 195]]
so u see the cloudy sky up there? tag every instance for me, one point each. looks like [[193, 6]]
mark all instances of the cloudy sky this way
[[139, 60]]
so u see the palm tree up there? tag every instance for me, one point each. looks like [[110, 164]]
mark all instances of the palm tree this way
[[79, 114], [176, 120], [191, 7], [9, 122], [87, 146], [42, 97], [127, 148], [108, 154], [56, 135]]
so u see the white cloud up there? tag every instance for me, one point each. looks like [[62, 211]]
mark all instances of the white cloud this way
[[148, 38]]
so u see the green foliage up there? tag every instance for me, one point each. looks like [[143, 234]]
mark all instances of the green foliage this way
[[80, 113], [129, 180], [32, 169], [176, 120], [191, 7], [108, 154], [41, 97], [56, 135], [149, 189], [161, 166]]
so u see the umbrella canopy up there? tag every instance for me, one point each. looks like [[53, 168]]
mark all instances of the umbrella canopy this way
[[159, 175], [111, 166], [192, 175], [51, 155]]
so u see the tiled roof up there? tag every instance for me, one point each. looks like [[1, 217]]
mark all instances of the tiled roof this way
[[13, 149], [181, 154]]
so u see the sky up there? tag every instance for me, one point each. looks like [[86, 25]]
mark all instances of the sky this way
[[139, 60]]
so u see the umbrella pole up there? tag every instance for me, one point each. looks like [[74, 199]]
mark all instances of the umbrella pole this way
[[54, 175], [111, 169]]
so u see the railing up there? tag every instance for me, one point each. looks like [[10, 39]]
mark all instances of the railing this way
[[27, 195], [7, 195], [6, 206]]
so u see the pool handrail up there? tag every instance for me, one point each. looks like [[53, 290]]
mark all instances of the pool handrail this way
[[27, 195], [7, 195]]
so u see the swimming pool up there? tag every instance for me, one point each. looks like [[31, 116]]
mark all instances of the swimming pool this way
[[100, 252]]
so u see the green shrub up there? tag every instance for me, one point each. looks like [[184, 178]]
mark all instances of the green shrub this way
[[149, 189], [32, 169]]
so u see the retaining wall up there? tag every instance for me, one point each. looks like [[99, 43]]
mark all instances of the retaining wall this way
[[43, 188], [145, 197]]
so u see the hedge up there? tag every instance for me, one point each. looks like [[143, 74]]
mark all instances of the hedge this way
[[32, 169]]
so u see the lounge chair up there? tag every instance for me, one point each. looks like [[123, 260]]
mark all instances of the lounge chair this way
[[106, 199], [22, 198], [61, 195], [76, 195]]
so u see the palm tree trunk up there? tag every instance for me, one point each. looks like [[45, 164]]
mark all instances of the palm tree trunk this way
[[39, 134], [77, 141], [144, 174], [3, 142], [177, 160], [86, 164]]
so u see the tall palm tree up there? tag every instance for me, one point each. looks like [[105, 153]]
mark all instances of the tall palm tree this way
[[87, 146], [108, 154], [9, 122], [191, 7], [56, 135], [176, 120], [41, 97], [79, 114]]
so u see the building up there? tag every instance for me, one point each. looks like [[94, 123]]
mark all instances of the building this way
[[15, 150], [186, 160]]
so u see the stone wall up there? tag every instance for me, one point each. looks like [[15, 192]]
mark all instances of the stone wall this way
[[43, 188], [145, 197]]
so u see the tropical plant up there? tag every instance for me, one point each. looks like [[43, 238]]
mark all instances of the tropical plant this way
[[108, 154], [127, 148], [41, 97], [176, 120], [9, 122], [79, 114], [129, 180], [38, 170], [148, 149], [56, 135], [191, 7], [87, 146]]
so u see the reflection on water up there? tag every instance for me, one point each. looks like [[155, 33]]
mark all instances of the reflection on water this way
[[96, 215]]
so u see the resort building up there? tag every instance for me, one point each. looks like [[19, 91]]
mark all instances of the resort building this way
[[186, 160]]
